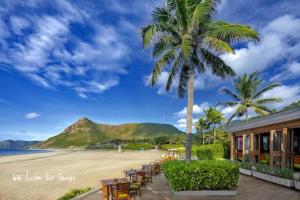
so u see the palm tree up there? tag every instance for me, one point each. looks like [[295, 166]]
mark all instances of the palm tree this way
[[201, 126], [214, 118], [187, 40], [247, 96]]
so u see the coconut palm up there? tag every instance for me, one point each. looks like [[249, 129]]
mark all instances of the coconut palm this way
[[186, 40], [213, 118], [201, 126], [248, 95]]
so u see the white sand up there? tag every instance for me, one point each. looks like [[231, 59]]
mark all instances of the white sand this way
[[86, 167]]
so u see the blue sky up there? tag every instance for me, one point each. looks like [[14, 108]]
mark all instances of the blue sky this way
[[62, 60]]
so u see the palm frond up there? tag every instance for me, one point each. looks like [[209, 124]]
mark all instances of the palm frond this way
[[174, 71], [147, 34], [216, 64], [230, 93], [232, 32], [183, 80], [218, 45], [267, 88], [166, 60], [269, 100]]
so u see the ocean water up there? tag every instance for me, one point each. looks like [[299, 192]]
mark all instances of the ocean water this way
[[9, 152]]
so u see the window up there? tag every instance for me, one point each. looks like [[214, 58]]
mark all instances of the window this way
[[247, 142], [256, 142], [277, 141], [239, 143], [265, 143]]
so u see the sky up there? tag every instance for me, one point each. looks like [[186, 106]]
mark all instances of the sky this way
[[62, 60]]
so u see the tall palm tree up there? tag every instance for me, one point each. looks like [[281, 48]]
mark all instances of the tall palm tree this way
[[248, 95], [201, 126], [214, 118], [187, 40]]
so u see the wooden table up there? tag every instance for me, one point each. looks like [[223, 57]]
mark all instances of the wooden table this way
[[109, 183]]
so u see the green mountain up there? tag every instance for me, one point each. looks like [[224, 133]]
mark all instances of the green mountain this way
[[86, 132]]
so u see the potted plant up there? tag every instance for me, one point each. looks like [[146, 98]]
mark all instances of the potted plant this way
[[296, 177], [275, 175], [246, 168]]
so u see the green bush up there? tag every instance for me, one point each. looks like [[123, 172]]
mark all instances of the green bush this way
[[165, 147], [246, 165], [75, 192], [201, 175], [283, 172], [139, 146], [210, 152]]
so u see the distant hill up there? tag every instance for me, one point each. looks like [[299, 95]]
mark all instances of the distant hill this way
[[86, 132], [17, 144]]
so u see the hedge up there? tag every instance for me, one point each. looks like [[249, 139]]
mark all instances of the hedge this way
[[210, 152], [139, 146], [73, 193], [201, 175]]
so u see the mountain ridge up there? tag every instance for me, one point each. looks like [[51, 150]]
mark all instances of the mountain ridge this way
[[85, 132]]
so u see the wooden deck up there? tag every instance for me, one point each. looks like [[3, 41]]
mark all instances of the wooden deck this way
[[249, 189]]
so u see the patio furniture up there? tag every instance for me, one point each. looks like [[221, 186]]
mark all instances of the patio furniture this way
[[148, 175], [265, 158], [130, 174], [121, 191], [108, 184], [142, 174], [135, 187], [297, 162]]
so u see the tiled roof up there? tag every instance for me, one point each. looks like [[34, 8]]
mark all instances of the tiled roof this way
[[283, 116]]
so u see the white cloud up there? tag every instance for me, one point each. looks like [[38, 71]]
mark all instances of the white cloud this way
[[197, 110], [52, 54], [288, 93], [32, 115], [18, 24], [277, 43]]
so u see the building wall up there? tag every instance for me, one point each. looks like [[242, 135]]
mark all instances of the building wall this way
[[276, 156]]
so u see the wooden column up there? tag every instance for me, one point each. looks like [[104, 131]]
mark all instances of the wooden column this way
[[284, 136], [252, 147], [232, 150], [271, 146], [244, 146]]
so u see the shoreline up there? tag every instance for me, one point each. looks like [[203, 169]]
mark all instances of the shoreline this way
[[52, 174]]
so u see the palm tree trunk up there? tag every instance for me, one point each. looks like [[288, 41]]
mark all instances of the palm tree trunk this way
[[189, 117], [214, 134]]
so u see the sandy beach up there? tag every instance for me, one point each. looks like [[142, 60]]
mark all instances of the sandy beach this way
[[48, 176]]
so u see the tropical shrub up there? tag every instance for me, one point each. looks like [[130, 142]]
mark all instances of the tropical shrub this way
[[165, 147], [283, 172], [138, 146], [201, 175], [75, 192], [210, 152], [245, 165]]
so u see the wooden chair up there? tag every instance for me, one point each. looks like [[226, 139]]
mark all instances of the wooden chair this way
[[121, 191], [135, 187], [157, 168], [142, 174], [105, 192], [297, 162], [148, 175], [265, 158]]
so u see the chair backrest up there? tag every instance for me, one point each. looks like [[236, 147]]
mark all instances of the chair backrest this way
[[297, 159], [123, 190], [139, 179]]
